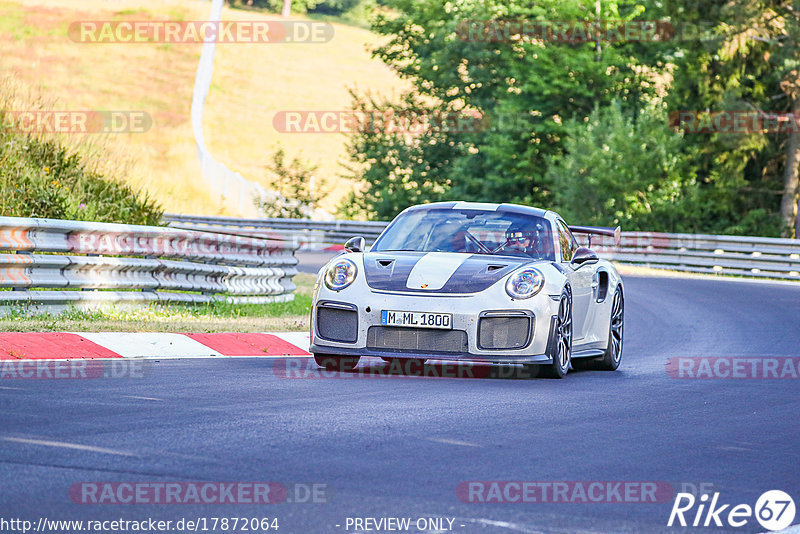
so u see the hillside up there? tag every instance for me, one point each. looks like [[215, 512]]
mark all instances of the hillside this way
[[251, 83]]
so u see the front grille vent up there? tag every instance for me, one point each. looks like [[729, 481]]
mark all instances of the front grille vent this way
[[421, 340]]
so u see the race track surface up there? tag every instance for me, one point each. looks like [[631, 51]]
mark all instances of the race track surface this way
[[400, 446]]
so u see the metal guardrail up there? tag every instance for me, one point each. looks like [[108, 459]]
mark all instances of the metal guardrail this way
[[100, 263], [302, 230], [758, 257]]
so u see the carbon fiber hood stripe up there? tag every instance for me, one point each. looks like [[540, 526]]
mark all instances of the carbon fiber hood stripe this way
[[389, 271]]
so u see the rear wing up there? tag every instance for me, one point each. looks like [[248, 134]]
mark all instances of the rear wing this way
[[597, 230]]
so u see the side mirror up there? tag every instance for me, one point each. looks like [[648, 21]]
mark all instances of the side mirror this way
[[355, 244], [584, 256]]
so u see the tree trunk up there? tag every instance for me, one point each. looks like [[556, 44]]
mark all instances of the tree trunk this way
[[790, 214], [287, 9]]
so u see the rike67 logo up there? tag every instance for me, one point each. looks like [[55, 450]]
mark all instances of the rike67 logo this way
[[774, 510]]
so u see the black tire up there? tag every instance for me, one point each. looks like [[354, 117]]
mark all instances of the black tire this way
[[336, 363], [561, 350], [613, 356]]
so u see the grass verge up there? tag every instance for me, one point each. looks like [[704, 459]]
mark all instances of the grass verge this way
[[216, 317]]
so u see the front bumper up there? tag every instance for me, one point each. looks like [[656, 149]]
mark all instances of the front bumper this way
[[465, 309]]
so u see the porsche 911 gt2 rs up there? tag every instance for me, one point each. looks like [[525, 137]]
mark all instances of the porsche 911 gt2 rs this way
[[471, 282]]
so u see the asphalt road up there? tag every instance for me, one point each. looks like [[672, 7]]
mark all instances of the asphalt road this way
[[400, 446]]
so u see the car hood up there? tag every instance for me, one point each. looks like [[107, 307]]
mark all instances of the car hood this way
[[437, 272]]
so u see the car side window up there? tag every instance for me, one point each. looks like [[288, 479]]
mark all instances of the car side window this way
[[568, 243]]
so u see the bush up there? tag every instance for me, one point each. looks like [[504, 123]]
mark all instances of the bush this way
[[40, 178], [335, 7], [295, 194]]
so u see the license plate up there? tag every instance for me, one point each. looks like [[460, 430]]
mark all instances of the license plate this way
[[417, 319]]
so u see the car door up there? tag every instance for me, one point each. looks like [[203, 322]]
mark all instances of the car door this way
[[580, 282]]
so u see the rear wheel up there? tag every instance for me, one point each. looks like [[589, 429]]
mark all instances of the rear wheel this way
[[611, 358], [336, 363], [561, 349]]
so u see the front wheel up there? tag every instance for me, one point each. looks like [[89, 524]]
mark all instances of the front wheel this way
[[336, 363], [561, 349]]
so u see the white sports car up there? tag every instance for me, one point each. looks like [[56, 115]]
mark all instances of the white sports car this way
[[471, 282]]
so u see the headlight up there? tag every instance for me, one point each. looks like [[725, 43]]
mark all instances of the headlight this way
[[340, 275], [525, 284]]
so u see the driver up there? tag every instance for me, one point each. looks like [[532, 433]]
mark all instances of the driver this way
[[521, 239]]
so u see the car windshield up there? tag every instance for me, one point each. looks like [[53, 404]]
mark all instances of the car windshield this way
[[469, 231]]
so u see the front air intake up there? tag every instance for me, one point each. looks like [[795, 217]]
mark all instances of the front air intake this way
[[504, 332], [337, 324]]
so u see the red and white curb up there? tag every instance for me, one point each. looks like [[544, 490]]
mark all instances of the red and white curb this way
[[154, 345]]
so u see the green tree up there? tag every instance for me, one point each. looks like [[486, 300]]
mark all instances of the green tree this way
[[769, 31], [731, 64], [398, 168], [526, 87], [617, 170]]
